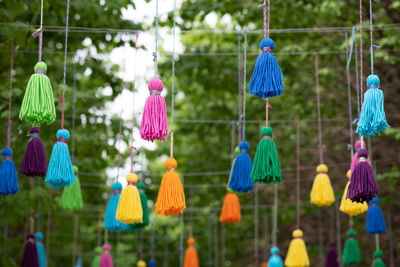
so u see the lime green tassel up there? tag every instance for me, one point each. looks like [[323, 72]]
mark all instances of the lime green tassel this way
[[266, 166], [71, 197], [38, 104]]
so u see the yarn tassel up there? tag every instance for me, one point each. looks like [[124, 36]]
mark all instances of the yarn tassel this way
[[40, 250], [236, 151], [372, 118], [145, 207], [332, 258], [141, 264], [375, 223], [275, 260], [154, 123], [267, 77], [230, 212], [106, 259], [129, 209], [79, 263], [266, 166], [71, 197], [8, 174], [297, 255], [152, 263], [349, 207], [363, 186], [240, 180], [171, 197], [322, 192], [30, 256], [354, 160], [110, 222], [351, 251], [97, 256], [38, 103], [378, 256], [191, 258], [60, 172], [34, 162]]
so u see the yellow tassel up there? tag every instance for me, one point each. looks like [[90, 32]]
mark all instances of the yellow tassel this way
[[230, 212], [322, 192], [349, 207], [191, 258], [297, 254], [129, 208], [171, 197], [141, 264]]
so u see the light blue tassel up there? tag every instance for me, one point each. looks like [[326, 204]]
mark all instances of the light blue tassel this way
[[267, 77], [240, 180], [60, 172], [372, 118], [8, 174], [375, 223], [40, 249], [275, 260], [110, 223]]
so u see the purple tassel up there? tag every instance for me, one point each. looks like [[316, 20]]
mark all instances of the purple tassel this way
[[34, 162], [30, 257], [363, 186], [332, 258]]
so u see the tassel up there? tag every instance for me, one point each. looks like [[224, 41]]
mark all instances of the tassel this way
[[297, 254], [38, 103], [171, 197], [236, 151], [266, 166], [332, 258], [275, 260], [267, 77], [322, 192], [349, 207], [372, 118], [8, 174], [230, 212], [378, 262], [141, 264], [145, 208], [264, 264], [154, 123], [375, 223], [110, 222], [96, 259], [71, 197], [351, 252], [40, 250], [363, 186], [129, 209], [152, 263], [79, 263], [357, 147], [60, 172], [106, 259], [191, 258], [240, 180], [34, 162], [30, 256]]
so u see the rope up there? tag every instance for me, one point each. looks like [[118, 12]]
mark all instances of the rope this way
[[348, 57], [354, 39], [153, 242], [118, 160], [361, 56], [244, 85], [10, 95], [256, 223], [191, 214], [132, 148], [321, 156], [65, 65], [275, 216], [40, 32], [155, 59], [173, 82], [370, 33], [240, 100], [298, 173], [73, 116]]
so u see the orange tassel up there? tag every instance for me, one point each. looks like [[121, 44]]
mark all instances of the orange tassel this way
[[171, 197], [230, 209], [191, 258]]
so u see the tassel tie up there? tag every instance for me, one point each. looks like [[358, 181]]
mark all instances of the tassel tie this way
[[362, 159], [33, 135], [267, 50], [131, 183], [61, 139], [7, 157], [116, 192], [244, 150], [41, 72], [266, 137], [155, 92]]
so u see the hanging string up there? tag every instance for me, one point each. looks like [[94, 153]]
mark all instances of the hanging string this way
[[191, 214], [132, 148], [240, 100], [370, 33], [140, 252], [256, 223], [361, 55], [40, 32], [73, 116], [244, 86], [275, 216], [118, 160], [321, 157], [173, 78], [348, 57], [65, 66], [153, 242], [298, 172], [9, 122], [155, 56], [354, 39]]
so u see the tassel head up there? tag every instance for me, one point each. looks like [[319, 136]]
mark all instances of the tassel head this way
[[375, 222], [275, 260], [322, 191], [191, 258], [297, 254], [141, 264], [378, 256], [267, 43], [129, 209], [230, 212]]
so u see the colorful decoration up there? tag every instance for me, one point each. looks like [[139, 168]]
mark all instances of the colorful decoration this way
[[349, 207], [191, 258], [322, 192], [145, 207], [351, 251], [230, 212], [297, 254], [129, 209], [30, 256], [71, 197], [8, 174], [236, 151], [275, 260], [40, 250], [378, 259], [354, 160], [332, 258], [152, 263], [34, 162], [375, 223], [141, 264], [106, 259], [240, 180], [79, 263], [110, 222], [96, 259]]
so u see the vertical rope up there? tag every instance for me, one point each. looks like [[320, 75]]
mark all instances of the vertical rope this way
[[216, 247], [348, 55], [256, 223], [370, 33], [209, 237], [244, 85], [266, 237], [223, 245], [155, 56], [361, 56], [140, 252], [391, 257], [338, 232], [65, 66], [132, 148], [275, 216], [321, 156], [99, 229], [40, 32], [10, 95], [117, 250], [73, 116], [240, 100], [119, 144], [173, 80], [153, 242], [48, 236], [191, 213], [356, 68], [76, 229], [320, 237], [298, 173]]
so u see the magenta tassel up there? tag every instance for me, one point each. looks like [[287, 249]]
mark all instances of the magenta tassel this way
[[154, 123], [30, 257], [35, 160], [106, 259], [354, 161], [363, 186]]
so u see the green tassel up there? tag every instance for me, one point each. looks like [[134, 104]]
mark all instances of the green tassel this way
[[71, 197], [378, 262], [38, 103], [351, 252], [266, 166]]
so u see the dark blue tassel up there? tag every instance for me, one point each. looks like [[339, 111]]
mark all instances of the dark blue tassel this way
[[275, 260], [152, 263], [267, 77], [8, 174], [375, 222], [240, 180], [110, 223]]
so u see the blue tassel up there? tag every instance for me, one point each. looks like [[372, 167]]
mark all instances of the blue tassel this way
[[240, 180], [375, 222], [275, 260], [267, 77], [8, 174], [152, 263], [79, 263], [372, 118], [60, 172], [40, 249], [110, 223]]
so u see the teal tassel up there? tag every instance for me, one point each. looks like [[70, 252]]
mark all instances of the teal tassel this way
[[110, 223], [275, 260], [40, 249]]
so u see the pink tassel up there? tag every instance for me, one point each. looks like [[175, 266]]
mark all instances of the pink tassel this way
[[354, 161], [106, 259], [154, 121]]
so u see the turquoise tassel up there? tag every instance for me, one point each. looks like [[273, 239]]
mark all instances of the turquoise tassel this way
[[40, 249]]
